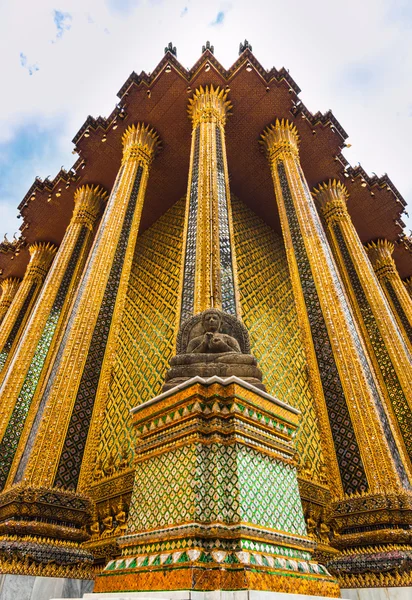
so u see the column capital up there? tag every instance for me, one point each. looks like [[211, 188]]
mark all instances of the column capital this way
[[42, 254], [408, 285], [380, 254], [280, 138], [140, 141], [9, 287], [209, 105], [331, 197], [88, 202]]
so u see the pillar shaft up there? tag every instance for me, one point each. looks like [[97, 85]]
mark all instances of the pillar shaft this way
[[380, 254], [387, 349], [85, 355], [364, 447], [408, 285], [9, 287], [209, 278], [41, 256], [21, 386]]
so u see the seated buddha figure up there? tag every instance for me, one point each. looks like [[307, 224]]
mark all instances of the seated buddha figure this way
[[212, 340], [213, 343]]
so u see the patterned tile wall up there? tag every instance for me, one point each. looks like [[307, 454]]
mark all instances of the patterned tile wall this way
[[146, 339], [216, 483], [270, 315]]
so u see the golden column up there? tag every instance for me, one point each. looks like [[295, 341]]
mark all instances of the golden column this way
[[408, 285], [380, 254], [209, 278], [41, 256], [21, 386], [387, 349], [9, 287], [367, 453], [86, 352]]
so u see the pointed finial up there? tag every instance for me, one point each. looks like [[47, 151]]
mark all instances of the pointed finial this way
[[170, 48], [209, 47], [244, 46]]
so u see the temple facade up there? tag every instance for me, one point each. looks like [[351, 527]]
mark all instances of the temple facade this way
[[205, 351]]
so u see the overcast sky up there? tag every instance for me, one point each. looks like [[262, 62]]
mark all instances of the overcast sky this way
[[62, 60]]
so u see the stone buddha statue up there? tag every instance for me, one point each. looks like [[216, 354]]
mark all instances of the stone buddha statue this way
[[213, 343]]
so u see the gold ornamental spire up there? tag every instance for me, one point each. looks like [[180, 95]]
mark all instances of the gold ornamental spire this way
[[41, 256], [140, 141], [386, 348]]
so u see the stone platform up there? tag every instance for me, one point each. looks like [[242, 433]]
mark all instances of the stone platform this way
[[193, 595], [394, 593], [27, 587]]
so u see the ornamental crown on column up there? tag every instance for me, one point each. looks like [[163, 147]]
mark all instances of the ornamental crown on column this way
[[331, 197], [209, 104], [380, 254], [88, 201], [140, 141], [42, 254], [9, 287], [280, 137]]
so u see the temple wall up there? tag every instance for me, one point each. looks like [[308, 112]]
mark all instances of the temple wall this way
[[146, 343], [146, 339], [269, 313]]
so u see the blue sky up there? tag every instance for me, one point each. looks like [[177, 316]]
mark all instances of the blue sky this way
[[62, 60]]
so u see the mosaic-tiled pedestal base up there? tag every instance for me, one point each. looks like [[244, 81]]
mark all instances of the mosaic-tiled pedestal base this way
[[216, 504]]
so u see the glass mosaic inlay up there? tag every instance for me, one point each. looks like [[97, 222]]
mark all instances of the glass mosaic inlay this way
[[399, 308], [146, 338], [354, 331], [188, 294], [347, 450], [72, 454], [16, 326], [226, 264], [390, 378], [9, 443], [72, 316], [270, 315]]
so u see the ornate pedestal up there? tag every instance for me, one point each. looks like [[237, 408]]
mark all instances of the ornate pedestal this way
[[215, 504]]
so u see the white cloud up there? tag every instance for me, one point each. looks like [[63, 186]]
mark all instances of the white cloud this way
[[354, 57]]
